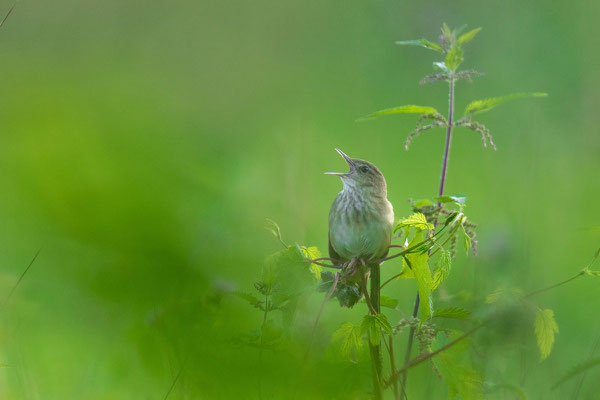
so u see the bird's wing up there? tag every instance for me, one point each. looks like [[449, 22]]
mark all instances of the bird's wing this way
[[332, 253]]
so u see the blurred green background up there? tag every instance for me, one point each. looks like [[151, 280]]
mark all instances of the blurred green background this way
[[143, 145]]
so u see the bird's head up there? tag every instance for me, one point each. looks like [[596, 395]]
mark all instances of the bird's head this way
[[362, 176]]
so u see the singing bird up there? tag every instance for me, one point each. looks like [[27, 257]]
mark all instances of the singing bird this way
[[361, 218]]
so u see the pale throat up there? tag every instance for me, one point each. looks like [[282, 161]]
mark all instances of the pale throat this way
[[362, 192]]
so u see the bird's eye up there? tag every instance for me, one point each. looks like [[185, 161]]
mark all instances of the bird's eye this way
[[364, 169]]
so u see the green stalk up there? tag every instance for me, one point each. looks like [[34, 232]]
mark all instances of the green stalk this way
[[376, 359], [411, 334]]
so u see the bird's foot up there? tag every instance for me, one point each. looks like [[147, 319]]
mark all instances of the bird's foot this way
[[349, 268]]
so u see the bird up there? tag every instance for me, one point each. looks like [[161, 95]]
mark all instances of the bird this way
[[361, 221]]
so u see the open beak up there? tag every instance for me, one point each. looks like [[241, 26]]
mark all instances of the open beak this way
[[348, 161]]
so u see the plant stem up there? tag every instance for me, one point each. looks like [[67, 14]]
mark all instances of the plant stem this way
[[426, 356], [553, 286], [314, 329], [448, 137], [393, 366], [411, 334], [376, 362], [260, 350]]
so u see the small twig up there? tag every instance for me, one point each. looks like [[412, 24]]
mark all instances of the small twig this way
[[391, 279], [324, 265], [7, 14], [314, 330], [580, 383], [21, 277], [175, 380], [424, 357], [367, 297], [553, 286], [393, 365]]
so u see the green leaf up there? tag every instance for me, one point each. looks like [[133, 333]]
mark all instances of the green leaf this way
[[503, 295], [373, 324], [348, 337], [447, 32], [444, 264], [251, 299], [592, 273], [453, 312], [460, 200], [454, 57], [452, 218], [312, 253], [578, 369], [441, 66], [545, 328], [421, 43], [588, 267], [271, 334], [479, 106], [455, 365], [385, 301], [512, 388], [467, 37], [409, 109], [417, 220], [423, 203], [419, 266], [467, 239]]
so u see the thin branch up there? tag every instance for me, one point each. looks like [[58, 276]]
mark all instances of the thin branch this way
[[21, 277], [175, 380], [314, 330], [323, 265], [393, 365], [391, 279], [535, 292], [440, 193], [7, 14], [424, 357], [367, 296]]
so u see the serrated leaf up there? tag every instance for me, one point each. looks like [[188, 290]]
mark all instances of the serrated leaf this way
[[578, 369], [417, 220], [453, 312], [545, 328], [479, 106], [251, 299], [444, 264], [373, 324], [312, 253], [349, 338], [467, 37], [408, 109], [454, 57], [385, 301], [421, 43], [420, 268]]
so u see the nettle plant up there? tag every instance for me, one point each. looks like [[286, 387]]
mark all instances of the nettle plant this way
[[426, 242]]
